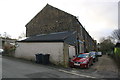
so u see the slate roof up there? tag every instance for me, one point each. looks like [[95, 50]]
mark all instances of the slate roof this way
[[67, 37], [48, 5], [117, 45]]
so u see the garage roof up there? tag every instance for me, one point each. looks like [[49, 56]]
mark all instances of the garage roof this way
[[67, 36]]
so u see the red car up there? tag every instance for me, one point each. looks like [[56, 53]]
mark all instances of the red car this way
[[83, 60]]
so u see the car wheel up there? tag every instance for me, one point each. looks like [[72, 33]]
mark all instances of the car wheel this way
[[92, 63], [88, 66], [72, 66], [97, 59], [94, 60]]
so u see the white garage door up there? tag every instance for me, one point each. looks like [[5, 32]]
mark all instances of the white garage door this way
[[71, 51]]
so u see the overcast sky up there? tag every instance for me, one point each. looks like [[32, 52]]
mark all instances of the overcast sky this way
[[99, 17]]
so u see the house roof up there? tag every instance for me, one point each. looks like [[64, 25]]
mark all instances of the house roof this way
[[48, 5], [67, 36], [117, 45]]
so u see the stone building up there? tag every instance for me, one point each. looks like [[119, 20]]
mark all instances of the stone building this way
[[51, 19], [55, 32]]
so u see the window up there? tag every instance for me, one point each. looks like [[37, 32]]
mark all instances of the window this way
[[83, 55]]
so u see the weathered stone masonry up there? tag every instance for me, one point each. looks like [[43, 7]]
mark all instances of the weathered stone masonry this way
[[51, 19]]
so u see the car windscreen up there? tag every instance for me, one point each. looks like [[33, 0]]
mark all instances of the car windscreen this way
[[83, 55], [92, 53]]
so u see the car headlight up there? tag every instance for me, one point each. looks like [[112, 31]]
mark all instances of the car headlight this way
[[84, 62]]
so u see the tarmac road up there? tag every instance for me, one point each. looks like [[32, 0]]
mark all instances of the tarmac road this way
[[17, 68]]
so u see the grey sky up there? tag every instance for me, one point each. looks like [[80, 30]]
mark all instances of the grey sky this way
[[100, 17]]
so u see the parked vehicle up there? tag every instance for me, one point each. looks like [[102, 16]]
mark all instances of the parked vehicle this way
[[83, 60], [94, 55], [99, 54], [1, 51]]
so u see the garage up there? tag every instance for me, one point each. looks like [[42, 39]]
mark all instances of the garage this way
[[59, 45]]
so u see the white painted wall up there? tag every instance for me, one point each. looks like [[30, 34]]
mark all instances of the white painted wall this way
[[71, 51], [81, 48], [28, 51]]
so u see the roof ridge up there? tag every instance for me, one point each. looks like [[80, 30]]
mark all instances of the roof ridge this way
[[59, 32], [58, 9]]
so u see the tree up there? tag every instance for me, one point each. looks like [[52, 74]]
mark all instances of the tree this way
[[22, 35], [6, 35], [116, 34], [106, 45]]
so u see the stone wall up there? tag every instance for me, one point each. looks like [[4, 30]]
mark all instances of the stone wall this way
[[50, 20]]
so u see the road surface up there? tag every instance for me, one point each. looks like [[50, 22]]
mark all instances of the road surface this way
[[17, 68]]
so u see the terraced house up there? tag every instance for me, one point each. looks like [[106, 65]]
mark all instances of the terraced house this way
[[51, 19], [52, 25]]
